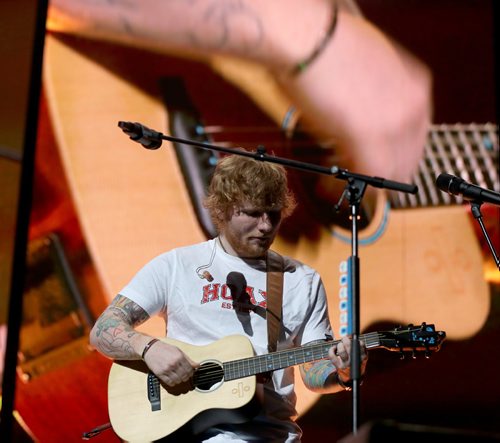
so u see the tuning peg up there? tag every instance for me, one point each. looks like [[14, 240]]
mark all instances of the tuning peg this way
[[413, 355], [427, 353], [402, 355]]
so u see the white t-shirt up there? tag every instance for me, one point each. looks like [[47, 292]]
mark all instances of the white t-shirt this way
[[200, 312]]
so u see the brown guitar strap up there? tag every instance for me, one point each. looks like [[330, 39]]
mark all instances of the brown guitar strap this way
[[274, 298]]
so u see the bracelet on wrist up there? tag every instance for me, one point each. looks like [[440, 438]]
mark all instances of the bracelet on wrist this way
[[305, 63], [148, 346]]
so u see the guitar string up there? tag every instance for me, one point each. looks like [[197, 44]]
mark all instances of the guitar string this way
[[208, 375], [211, 377], [457, 128], [479, 140], [456, 133], [259, 361]]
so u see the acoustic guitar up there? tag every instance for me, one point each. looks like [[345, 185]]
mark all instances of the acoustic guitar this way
[[223, 387]]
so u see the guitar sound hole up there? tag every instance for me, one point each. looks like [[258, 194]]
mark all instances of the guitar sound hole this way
[[208, 376]]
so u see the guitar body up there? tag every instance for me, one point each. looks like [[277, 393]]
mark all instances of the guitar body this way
[[131, 413], [224, 384]]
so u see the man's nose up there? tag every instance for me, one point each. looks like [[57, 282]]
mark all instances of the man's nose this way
[[265, 222]]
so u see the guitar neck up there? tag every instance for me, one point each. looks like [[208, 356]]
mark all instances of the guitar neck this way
[[468, 151], [284, 359]]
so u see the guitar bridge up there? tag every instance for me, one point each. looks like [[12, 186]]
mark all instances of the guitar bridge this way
[[154, 392]]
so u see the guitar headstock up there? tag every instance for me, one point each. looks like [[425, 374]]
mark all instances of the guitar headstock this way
[[412, 338]]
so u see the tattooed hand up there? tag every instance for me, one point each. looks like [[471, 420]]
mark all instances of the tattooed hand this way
[[324, 375], [340, 356]]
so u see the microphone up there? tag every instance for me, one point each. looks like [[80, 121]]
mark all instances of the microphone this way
[[148, 138], [457, 186], [237, 283]]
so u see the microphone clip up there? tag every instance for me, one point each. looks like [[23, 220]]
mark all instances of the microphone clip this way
[[148, 138]]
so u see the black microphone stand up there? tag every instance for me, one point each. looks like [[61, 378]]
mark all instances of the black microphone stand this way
[[353, 192], [476, 212]]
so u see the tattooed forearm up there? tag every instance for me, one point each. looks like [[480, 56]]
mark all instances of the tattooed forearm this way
[[113, 331], [193, 26], [226, 19], [133, 313], [317, 375]]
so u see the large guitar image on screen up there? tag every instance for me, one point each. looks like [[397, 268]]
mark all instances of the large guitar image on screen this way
[[420, 256]]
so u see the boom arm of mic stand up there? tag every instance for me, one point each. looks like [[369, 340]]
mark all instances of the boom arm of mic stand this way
[[261, 154], [476, 212], [335, 171]]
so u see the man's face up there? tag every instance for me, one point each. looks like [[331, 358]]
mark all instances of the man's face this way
[[250, 231]]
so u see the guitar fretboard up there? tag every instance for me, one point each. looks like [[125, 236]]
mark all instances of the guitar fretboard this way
[[468, 151], [282, 359]]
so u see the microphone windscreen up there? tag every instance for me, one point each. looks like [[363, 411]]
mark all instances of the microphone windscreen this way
[[448, 183], [236, 282]]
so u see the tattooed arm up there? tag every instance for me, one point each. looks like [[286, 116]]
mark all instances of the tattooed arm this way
[[113, 333], [199, 27], [114, 336], [363, 91], [323, 375]]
